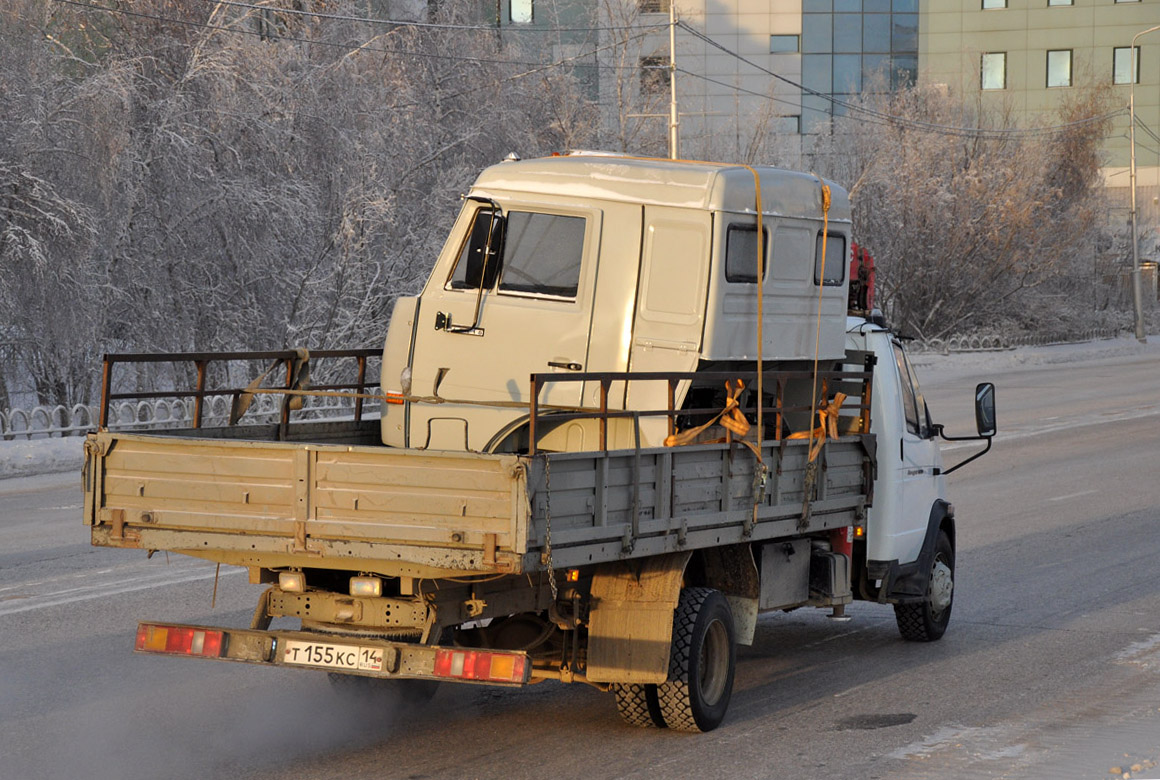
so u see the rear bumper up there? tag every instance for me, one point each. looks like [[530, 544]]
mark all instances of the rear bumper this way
[[368, 657]]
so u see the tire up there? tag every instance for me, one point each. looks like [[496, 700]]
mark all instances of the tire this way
[[701, 662], [373, 690], [927, 620], [638, 705]]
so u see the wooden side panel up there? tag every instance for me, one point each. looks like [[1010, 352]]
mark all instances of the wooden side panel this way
[[311, 494], [692, 497]]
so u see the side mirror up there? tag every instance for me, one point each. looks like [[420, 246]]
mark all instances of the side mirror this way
[[984, 422], [985, 409]]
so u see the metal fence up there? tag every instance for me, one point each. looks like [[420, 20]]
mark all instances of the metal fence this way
[[50, 421], [996, 343]]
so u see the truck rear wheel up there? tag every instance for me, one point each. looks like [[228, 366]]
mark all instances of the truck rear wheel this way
[[638, 705], [927, 620], [701, 662]]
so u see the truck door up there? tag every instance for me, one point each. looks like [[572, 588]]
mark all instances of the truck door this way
[[670, 312], [514, 299], [918, 482]]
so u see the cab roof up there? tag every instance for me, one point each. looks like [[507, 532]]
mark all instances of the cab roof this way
[[677, 183]]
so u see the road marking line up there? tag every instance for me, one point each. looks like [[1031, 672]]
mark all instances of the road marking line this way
[[1073, 495], [44, 601]]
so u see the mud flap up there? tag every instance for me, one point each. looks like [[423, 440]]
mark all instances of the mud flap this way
[[630, 626], [906, 583]]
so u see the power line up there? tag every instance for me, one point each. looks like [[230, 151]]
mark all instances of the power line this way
[[949, 130], [1140, 123], [431, 25], [736, 88], [347, 47]]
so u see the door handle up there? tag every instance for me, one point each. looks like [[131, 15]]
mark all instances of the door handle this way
[[565, 366]]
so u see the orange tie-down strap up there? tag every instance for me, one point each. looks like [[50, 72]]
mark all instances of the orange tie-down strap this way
[[827, 426], [730, 418]]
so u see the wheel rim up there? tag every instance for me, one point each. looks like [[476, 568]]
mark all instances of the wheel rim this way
[[713, 664], [942, 586]]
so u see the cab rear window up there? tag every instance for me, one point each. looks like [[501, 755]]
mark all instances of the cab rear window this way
[[741, 253]]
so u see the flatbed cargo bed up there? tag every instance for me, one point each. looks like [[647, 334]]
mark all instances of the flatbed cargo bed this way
[[398, 512]]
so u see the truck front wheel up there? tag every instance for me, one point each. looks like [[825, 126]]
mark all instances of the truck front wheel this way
[[927, 620], [701, 662]]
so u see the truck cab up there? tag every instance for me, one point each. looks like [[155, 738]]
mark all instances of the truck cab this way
[[593, 263], [906, 554]]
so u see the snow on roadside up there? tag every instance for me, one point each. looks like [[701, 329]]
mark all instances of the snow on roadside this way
[[1028, 357], [29, 457], [23, 457]]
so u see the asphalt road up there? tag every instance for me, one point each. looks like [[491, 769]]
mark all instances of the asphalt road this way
[[1051, 666]]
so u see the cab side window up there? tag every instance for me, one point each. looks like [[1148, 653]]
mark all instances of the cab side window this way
[[542, 254], [913, 404], [909, 402]]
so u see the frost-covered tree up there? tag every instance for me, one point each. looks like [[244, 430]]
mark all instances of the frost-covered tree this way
[[202, 176], [981, 228]]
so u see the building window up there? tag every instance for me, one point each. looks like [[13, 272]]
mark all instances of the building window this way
[[1059, 68], [787, 124], [1060, 2], [995, 70], [1122, 65], [654, 75], [654, 6], [876, 33], [521, 11], [784, 44], [848, 33], [1127, 1], [988, 4]]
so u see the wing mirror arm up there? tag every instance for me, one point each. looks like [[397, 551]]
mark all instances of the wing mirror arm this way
[[976, 456], [984, 421], [496, 214]]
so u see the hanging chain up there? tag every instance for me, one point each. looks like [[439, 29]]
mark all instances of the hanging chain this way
[[548, 527]]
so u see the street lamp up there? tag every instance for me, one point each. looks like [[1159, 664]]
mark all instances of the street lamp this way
[[1137, 289]]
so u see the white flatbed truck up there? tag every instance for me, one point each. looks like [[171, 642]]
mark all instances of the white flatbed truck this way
[[579, 472]]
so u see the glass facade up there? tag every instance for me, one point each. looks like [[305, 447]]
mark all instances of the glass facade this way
[[851, 46], [784, 44]]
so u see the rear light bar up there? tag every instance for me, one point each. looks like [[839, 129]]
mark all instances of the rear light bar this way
[[179, 640], [482, 665]]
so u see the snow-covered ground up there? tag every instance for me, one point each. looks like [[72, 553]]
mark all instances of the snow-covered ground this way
[[21, 457], [24, 457], [1027, 357]]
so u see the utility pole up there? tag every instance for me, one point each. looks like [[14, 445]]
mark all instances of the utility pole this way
[[1137, 287], [674, 140]]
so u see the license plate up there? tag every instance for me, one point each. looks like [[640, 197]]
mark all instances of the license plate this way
[[329, 656]]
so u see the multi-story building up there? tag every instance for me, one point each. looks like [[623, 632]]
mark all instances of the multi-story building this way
[[756, 70], [1030, 55]]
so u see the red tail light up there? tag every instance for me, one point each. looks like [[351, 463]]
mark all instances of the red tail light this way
[[179, 640], [481, 665]]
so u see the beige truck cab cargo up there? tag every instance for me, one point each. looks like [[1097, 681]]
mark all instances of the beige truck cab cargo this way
[[627, 413]]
